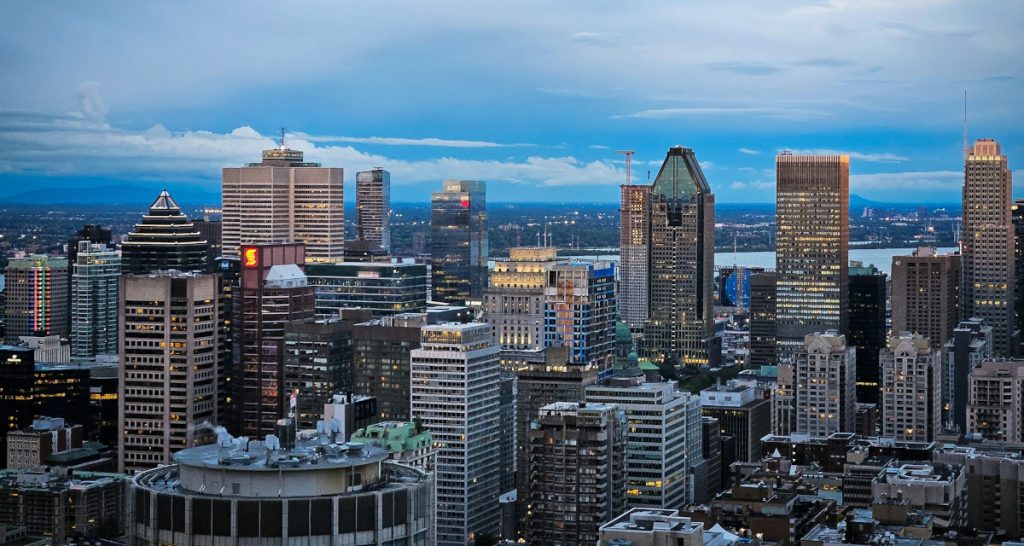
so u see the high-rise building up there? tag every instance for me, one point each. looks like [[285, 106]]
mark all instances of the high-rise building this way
[[660, 444], [36, 288], [373, 207], [380, 367], [784, 400], [576, 469], [742, 414], [317, 364], [94, 283], [92, 233], [987, 244], [711, 451], [273, 291], [911, 389], [995, 404], [455, 376], [762, 319], [458, 241], [211, 231], [825, 390], [971, 343], [169, 365], [926, 294], [383, 288], [579, 311], [866, 327], [284, 200], [165, 239], [680, 324], [514, 304], [634, 226], [229, 273], [1017, 217], [811, 247]]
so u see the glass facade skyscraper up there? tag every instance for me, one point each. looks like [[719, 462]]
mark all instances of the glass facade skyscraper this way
[[94, 286], [373, 207], [458, 241]]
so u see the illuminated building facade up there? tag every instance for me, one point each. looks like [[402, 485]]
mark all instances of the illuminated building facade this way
[[514, 304], [273, 292], [579, 312], [165, 239], [576, 463], [458, 241], [680, 324], [170, 365], [926, 294], [811, 247], [995, 403], [824, 389], [36, 288], [634, 225], [1017, 216], [911, 389], [373, 207], [383, 288], [987, 244], [317, 365], [283, 200], [94, 283]]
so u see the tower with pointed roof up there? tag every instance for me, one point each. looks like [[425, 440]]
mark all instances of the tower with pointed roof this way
[[680, 319], [165, 239]]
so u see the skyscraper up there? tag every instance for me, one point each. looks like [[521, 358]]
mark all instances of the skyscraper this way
[[911, 389], [811, 247], [634, 224], [742, 414], [681, 323], [866, 327], [762, 319], [458, 241], [1017, 216], [273, 292], [579, 311], [93, 233], [995, 407], [37, 293], [373, 207], [283, 200], [94, 285], [380, 365], [317, 365], [987, 244], [165, 239], [576, 466], [970, 345], [926, 294], [825, 385], [455, 393], [169, 365], [514, 304]]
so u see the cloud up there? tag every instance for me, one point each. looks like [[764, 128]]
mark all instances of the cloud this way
[[924, 181], [745, 68], [706, 165], [399, 141], [749, 151], [590, 37], [859, 156], [698, 111], [598, 147], [91, 102], [757, 185]]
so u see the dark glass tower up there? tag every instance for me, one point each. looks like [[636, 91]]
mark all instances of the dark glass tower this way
[[458, 241], [680, 324], [866, 328], [164, 239]]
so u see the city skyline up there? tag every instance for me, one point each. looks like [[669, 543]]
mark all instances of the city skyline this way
[[825, 77]]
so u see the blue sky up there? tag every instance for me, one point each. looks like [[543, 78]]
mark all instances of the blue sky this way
[[534, 97]]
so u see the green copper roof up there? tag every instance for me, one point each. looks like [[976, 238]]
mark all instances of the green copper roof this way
[[680, 176], [622, 334]]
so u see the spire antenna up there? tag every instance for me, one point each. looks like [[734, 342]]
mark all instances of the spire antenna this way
[[281, 142]]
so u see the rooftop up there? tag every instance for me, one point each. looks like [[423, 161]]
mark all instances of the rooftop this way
[[267, 455]]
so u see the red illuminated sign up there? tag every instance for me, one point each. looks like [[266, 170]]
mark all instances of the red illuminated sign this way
[[465, 203], [250, 256]]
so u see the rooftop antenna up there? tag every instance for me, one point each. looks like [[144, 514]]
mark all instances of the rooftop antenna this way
[[281, 142], [965, 125], [629, 163]]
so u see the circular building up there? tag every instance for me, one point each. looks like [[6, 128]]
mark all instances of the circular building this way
[[315, 492]]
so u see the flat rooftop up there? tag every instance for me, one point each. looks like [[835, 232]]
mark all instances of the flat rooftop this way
[[318, 453]]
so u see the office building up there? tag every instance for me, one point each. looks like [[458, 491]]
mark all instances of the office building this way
[[36, 288], [937, 489], [866, 329], [911, 389], [165, 239], [32, 447], [317, 364], [995, 403], [663, 440], [364, 251], [784, 400], [273, 291], [971, 343], [824, 388], [680, 324], [634, 248], [762, 319], [373, 207], [94, 283], [1017, 217], [576, 469], [987, 244], [926, 294], [812, 247], [458, 241], [653, 527], [281, 491], [169, 365], [455, 378], [507, 395], [284, 200], [406, 442], [62, 507], [995, 476], [711, 451], [514, 304], [212, 233], [579, 311], [741, 414], [384, 288], [345, 413], [381, 351], [229, 272], [92, 233]]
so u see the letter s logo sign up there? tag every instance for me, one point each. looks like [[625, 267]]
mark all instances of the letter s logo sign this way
[[249, 257]]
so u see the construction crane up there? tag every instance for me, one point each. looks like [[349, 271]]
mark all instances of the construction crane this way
[[629, 164]]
